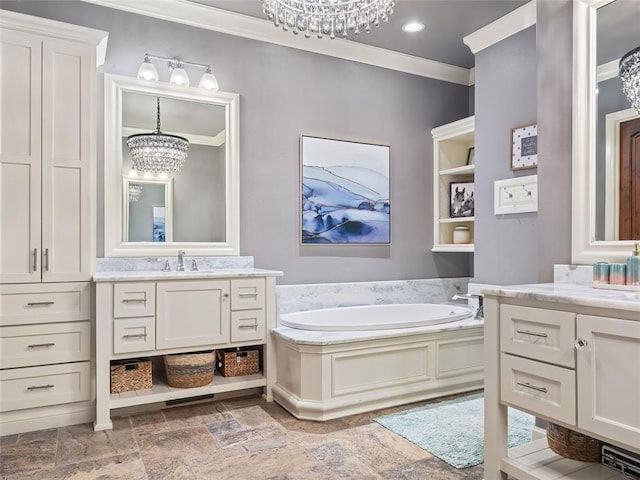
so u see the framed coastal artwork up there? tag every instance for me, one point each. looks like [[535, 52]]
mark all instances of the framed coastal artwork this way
[[345, 192]]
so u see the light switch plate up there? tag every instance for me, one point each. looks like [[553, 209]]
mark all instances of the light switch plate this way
[[515, 195]]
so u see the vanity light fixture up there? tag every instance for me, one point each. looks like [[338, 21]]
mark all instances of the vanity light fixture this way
[[413, 27], [630, 76], [179, 75], [158, 153], [323, 17]]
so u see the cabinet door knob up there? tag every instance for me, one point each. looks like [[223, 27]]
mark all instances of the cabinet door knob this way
[[580, 343]]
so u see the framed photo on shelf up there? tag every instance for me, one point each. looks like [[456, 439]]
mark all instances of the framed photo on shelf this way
[[461, 199], [524, 147], [471, 156]]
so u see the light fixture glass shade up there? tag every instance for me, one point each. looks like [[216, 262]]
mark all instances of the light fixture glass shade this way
[[135, 190], [209, 81], [630, 76], [148, 71], [156, 152], [179, 76], [327, 17]]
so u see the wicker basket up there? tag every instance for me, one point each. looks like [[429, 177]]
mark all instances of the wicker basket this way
[[131, 375], [573, 445], [190, 370], [238, 362]]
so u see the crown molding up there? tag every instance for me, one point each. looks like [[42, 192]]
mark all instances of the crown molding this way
[[608, 70], [52, 28], [231, 23], [510, 24]]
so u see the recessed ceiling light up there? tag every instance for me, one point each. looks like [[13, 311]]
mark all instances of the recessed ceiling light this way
[[412, 27]]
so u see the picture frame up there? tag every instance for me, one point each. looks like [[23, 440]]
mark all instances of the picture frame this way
[[461, 199], [344, 192], [471, 156], [524, 147]]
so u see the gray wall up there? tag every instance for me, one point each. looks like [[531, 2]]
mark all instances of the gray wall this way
[[284, 93], [554, 86], [506, 246]]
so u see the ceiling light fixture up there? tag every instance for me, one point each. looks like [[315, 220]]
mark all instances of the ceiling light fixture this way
[[327, 17], [179, 75], [630, 76], [135, 190], [156, 152], [412, 27]]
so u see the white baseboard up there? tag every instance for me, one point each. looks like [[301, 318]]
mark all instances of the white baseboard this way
[[30, 420]]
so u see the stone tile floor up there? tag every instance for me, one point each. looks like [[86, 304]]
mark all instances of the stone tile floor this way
[[237, 439]]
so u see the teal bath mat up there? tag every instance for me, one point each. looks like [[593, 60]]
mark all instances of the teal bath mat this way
[[453, 430]]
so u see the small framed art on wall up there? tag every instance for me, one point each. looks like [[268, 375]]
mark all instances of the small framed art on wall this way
[[524, 147]]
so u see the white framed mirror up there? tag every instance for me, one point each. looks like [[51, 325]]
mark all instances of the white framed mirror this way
[[604, 30], [200, 203], [147, 210]]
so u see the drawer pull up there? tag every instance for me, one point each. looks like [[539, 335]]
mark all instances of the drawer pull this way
[[535, 334], [134, 300], [38, 345], [252, 326], [35, 259], [135, 335], [39, 387], [580, 343], [46, 260], [241, 295], [39, 304], [532, 387]]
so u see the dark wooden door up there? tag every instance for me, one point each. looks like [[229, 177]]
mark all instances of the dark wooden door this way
[[630, 180]]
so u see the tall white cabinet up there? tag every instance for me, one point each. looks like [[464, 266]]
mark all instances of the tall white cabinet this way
[[451, 145], [47, 216]]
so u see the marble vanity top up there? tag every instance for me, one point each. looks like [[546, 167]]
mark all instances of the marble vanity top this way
[[571, 294], [133, 275]]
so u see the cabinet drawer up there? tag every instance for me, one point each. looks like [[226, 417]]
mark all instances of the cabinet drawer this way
[[542, 389], [44, 303], [41, 386], [134, 299], [28, 345], [538, 333], [247, 293], [134, 334], [247, 325]]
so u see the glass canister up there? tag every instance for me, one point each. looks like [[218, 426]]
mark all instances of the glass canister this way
[[601, 272], [461, 235]]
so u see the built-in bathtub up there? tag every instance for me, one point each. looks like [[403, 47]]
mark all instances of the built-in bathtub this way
[[342, 361]]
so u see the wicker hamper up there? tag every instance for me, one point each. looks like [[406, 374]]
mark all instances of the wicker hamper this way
[[238, 362], [573, 445], [131, 375], [188, 370]]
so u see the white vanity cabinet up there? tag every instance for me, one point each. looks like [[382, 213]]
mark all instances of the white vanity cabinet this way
[[567, 362], [170, 315], [47, 220]]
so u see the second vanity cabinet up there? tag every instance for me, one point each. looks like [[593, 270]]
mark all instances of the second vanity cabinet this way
[[570, 364], [152, 318]]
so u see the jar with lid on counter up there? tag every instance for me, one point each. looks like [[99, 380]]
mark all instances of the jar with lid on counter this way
[[461, 235]]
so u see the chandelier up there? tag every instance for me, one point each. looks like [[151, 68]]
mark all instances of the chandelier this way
[[630, 76], [327, 17], [135, 190], [157, 152]]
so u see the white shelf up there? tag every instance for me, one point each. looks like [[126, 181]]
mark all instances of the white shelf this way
[[536, 461], [457, 220], [464, 170], [161, 392], [453, 247]]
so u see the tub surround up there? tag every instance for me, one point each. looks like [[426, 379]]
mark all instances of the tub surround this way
[[576, 274], [296, 298], [567, 353]]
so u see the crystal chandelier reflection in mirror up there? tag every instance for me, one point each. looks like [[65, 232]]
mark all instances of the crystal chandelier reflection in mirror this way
[[135, 190], [630, 76], [327, 17], [156, 152]]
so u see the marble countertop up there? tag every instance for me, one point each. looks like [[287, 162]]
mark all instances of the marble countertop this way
[[309, 337], [571, 294], [132, 275]]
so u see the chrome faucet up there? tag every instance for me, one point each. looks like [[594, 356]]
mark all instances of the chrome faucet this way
[[180, 267], [468, 296]]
